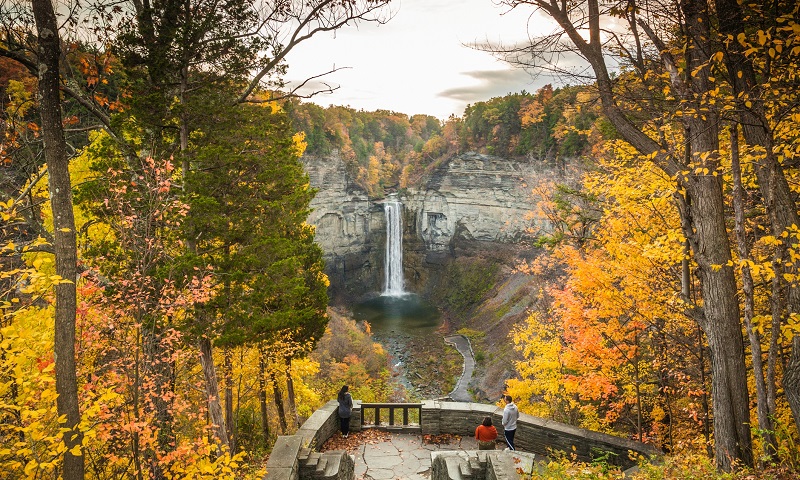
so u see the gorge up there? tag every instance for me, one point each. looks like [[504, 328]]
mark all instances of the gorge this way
[[470, 202], [467, 220]]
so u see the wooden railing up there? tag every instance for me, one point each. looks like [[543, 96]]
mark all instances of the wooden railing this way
[[411, 422]]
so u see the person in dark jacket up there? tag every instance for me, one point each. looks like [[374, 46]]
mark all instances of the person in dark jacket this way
[[345, 409]]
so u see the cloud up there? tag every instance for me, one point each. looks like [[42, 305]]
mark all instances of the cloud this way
[[492, 83]]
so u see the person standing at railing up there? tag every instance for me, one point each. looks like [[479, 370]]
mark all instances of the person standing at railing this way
[[510, 416], [345, 409], [486, 434]]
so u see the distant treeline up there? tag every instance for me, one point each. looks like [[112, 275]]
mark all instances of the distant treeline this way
[[390, 150]]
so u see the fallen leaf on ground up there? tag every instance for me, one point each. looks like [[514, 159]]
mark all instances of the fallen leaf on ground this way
[[355, 440]]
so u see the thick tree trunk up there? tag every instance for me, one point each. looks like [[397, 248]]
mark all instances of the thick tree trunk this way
[[212, 392], [772, 182], [709, 239], [64, 232], [762, 408], [721, 325], [791, 379], [721, 322]]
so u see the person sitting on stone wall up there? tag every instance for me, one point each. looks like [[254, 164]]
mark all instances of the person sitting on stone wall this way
[[486, 434]]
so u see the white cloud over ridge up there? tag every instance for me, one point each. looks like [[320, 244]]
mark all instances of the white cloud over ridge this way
[[491, 83]]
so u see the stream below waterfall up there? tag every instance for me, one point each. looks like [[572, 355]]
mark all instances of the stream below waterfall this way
[[405, 323], [407, 326]]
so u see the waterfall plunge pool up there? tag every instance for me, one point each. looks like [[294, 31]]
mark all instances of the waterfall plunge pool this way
[[406, 326], [390, 316]]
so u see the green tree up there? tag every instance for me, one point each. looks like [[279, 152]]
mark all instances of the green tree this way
[[187, 65], [248, 199]]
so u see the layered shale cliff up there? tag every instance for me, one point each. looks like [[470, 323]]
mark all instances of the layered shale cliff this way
[[470, 203], [350, 228]]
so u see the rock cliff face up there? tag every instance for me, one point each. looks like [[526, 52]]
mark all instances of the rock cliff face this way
[[471, 200], [349, 228], [476, 197]]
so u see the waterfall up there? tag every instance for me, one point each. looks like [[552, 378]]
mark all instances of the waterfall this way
[[394, 248]]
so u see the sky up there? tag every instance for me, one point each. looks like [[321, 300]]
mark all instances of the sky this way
[[418, 61]]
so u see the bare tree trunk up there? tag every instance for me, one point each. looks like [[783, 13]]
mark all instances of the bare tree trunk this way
[[160, 374], [709, 238], [791, 379], [212, 392], [660, 345], [774, 187], [278, 396], [638, 406], [777, 306], [290, 393], [229, 421], [704, 382], [764, 420], [65, 244], [262, 396], [720, 318]]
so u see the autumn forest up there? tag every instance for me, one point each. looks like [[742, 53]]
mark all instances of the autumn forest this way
[[164, 306]]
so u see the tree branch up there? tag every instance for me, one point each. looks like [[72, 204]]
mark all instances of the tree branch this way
[[293, 93], [322, 25]]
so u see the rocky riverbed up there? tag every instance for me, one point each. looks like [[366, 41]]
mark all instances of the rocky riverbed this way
[[424, 364]]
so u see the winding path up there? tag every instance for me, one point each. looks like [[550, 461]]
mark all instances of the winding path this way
[[460, 393]]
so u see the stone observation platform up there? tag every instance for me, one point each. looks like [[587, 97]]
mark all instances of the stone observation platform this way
[[403, 454]]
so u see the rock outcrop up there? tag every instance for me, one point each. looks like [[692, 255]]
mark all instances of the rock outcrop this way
[[477, 197], [468, 199], [349, 227]]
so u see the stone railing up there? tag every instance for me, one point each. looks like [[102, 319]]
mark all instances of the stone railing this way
[[534, 434], [294, 457], [399, 419]]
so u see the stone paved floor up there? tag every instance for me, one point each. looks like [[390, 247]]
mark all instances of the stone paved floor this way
[[402, 456]]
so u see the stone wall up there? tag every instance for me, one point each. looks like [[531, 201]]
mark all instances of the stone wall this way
[[289, 455], [534, 435]]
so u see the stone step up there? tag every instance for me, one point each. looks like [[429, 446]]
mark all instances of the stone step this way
[[309, 465], [321, 464], [302, 456], [334, 462], [454, 468], [313, 458], [476, 466], [466, 470]]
